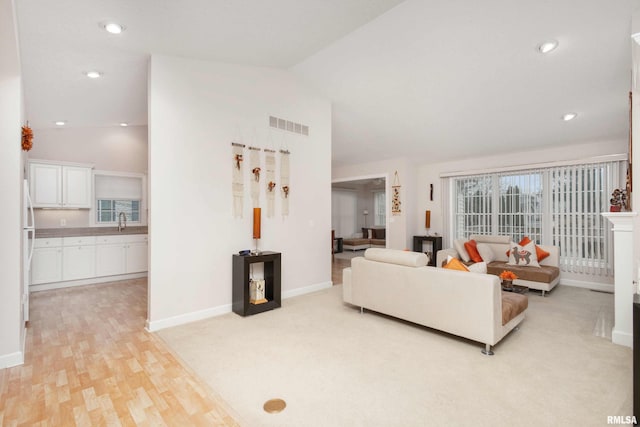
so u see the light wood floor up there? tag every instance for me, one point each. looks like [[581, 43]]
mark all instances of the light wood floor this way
[[89, 362], [337, 265]]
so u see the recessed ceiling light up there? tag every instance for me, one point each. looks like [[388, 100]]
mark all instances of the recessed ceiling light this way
[[124, 125], [569, 116], [113, 28], [61, 123], [93, 74], [547, 46]]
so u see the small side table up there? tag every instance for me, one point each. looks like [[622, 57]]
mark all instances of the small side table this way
[[338, 245], [436, 245], [516, 289], [272, 287]]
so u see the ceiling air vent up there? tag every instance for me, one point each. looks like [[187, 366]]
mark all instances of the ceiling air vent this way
[[289, 126]]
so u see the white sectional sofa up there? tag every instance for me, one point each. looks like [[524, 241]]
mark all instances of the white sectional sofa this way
[[400, 284]]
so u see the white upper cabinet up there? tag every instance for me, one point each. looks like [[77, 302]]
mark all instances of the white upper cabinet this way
[[46, 185], [60, 186], [76, 187]]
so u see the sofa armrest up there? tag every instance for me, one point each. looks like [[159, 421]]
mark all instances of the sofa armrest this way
[[346, 286], [443, 254]]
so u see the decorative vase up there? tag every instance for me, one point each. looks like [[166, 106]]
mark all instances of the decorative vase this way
[[507, 283], [616, 208]]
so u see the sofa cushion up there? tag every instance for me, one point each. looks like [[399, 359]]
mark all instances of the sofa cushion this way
[[355, 242], [523, 255], [486, 252], [367, 233], [544, 274], [379, 233], [455, 264], [478, 267], [459, 245], [472, 250], [512, 305], [540, 253], [378, 242], [395, 256]]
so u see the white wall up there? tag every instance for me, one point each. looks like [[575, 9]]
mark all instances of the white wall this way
[[11, 110], [399, 234], [115, 148], [195, 111]]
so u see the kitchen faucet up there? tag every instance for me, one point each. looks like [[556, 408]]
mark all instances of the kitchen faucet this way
[[120, 216]]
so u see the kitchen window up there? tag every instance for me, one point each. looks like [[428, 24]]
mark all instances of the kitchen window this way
[[108, 210], [116, 192]]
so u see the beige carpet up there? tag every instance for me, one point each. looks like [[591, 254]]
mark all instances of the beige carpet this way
[[336, 367]]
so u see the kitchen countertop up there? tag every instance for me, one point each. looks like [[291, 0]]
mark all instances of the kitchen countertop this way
[[87, 231]]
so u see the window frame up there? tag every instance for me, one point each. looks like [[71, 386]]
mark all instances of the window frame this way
[[93, 214]]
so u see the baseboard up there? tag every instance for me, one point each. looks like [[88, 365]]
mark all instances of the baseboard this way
[[306, 290], [603, 287], [83, 282], [181, 319], [11, 359], [622, 338]]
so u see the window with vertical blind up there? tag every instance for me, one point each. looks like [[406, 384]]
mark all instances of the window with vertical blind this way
[[557, 206]]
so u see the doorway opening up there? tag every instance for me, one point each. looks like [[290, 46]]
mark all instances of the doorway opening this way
[[359, 219]]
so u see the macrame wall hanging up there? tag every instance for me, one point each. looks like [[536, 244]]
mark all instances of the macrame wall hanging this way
[[254, 163], [284, 181], [270, 176], [395, 196], [237, 183]]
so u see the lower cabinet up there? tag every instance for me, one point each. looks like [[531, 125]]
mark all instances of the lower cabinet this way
[[78, 258], [75, 258], [46, 264], [121, 254]]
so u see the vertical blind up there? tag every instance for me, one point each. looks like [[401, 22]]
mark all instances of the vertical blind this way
[[343, 212], [557, 206]]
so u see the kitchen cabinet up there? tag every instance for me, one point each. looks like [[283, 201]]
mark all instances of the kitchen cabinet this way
[[121, 254], [78, 258], [46, 264], [88, 257], [137, 256], [60, 186], [110, 256]]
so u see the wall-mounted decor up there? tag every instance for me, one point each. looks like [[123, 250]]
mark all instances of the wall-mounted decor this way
[[254, 164], [395, 196], [431, 192], [284, 181], [427, 221], [257, 222], [270, 176], [237, 182], [27, 138]]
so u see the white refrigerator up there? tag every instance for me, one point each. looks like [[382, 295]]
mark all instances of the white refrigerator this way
[[28, 236]]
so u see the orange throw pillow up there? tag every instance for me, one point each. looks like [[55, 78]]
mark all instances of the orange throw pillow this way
[[456, 264], [472, 249]]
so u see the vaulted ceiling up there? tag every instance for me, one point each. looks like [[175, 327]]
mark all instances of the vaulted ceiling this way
[[425, 79]]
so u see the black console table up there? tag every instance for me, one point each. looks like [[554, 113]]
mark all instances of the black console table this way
[[272, 275], [436, 245]]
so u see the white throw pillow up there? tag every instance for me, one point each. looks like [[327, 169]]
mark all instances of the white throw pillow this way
[[486, 252], [459, 246], [370, 234], [524, 256], [478, 267]]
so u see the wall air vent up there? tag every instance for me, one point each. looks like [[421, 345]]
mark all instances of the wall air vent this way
[[289, 126]]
